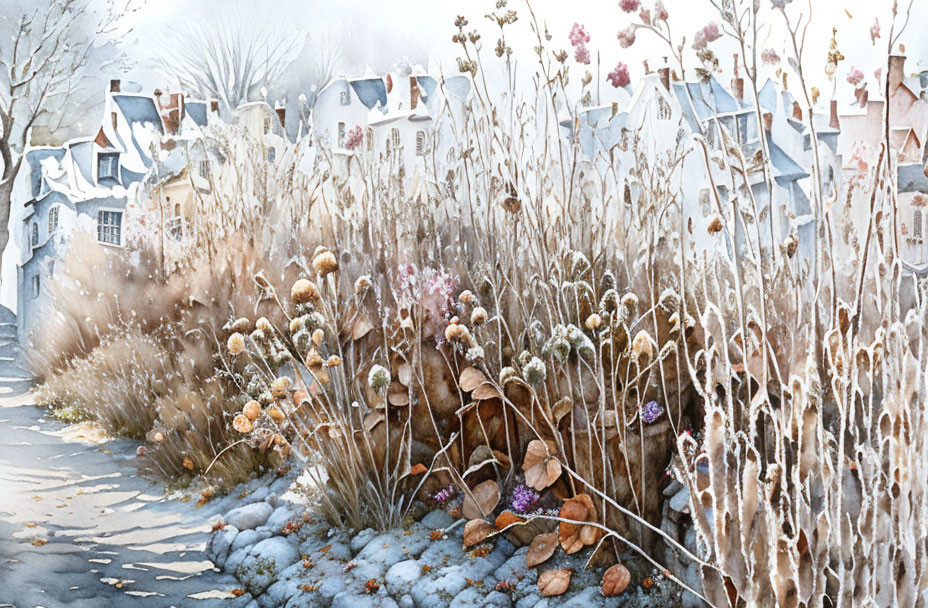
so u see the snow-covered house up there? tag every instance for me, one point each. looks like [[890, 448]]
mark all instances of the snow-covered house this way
[[91, 184], [863, 130]]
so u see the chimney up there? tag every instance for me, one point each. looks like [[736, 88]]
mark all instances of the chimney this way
[[665, 77], [737, 83], [785, 87], [282, 115], [213, 105], [157, 93], [896, 71], [389, 83], [833, 122], [797, 111], [114, 85], [862, 96], [413, 92], [768, 121], [647, 69]]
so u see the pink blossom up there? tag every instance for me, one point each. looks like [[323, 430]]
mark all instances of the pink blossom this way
[[706, 35], [875, 30], [355, 136], [855, 77], [660, 13], [770, 57], [645, 16], [619, 76], [627, 37], [582, 54], [578, 35], [629, 5], [878, 74]]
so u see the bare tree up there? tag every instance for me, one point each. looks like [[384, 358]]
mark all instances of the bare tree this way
[[229, 56], [45, 49]]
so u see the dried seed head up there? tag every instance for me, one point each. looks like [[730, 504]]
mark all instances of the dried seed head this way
[[455, 332], [593, 322], [275, 414], [236, 343], [279, 386], [535, 371], [158, 437], [241, 325], [475, 355], [252, 410], [304, 291], [642, 345], [325, 263], [478, 316], [318, 337], [362, 284], [242, 424], [296, 324], [630, 302], [378, 377], [715, 224], [333, 361], [314, 359], [466, 297], [263, 324]]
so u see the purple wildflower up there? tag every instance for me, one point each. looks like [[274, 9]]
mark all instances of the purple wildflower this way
[[651, 411], [523, 498], [355, 136], [627, 36], [578, 35], [444, 494], [619, 76]]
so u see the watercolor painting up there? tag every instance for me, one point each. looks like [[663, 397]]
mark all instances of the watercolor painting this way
[[504, 303]]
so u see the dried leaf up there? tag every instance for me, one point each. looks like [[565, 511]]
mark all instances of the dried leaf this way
[[553, 582], [404, 373], [615, 580], [540, 466], [471, 378], [398, 394], [561, 409], [418, 469], [484, 500], [476, 531], [360, 327], [506, 519], [485, 391], [574, 536], [541, 549]]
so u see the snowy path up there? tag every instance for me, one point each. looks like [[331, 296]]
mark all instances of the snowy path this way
[[78, 528]]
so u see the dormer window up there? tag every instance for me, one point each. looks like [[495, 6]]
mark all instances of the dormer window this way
[[341, 135], [53, 219], [204, 169], [345, 98], [267, 125], [107, 165]]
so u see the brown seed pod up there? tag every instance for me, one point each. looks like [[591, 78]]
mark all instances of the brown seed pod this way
[[554, 582], [325, 262], [252, 410], [303, 291], [615, 580]]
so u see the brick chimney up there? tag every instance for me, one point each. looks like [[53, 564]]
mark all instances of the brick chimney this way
[[768, 121], [413, 92], [833, 118], [114, 85], [281, 112], [647, 69], [389, 83], [797, 111], [213, 105], [664, 73], [737, 83], [862, 96], [896, 71]]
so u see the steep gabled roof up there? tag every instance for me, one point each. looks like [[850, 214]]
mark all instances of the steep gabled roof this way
[[139, 109], [370, 91]]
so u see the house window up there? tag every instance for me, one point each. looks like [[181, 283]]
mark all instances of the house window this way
[[271, 154], [395, 136], [107, 165], [420, 143], [53, 219], [109, 227], [370, 138], [345, 98], [204, 169], [341, 135], [267, 125], [115, 118], [917, 224], [51, 268], [35, 234], [663, 109], [35, 285]]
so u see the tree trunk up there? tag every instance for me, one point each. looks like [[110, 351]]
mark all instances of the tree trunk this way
[[6, 195]]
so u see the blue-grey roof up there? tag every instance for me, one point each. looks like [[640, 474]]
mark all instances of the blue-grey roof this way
[[371, 91], [35, 158], [82, 154], [458, 85], [197, 111], [139, 110], [787, 168], [428, 85], [768, 96], [912, 178]]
